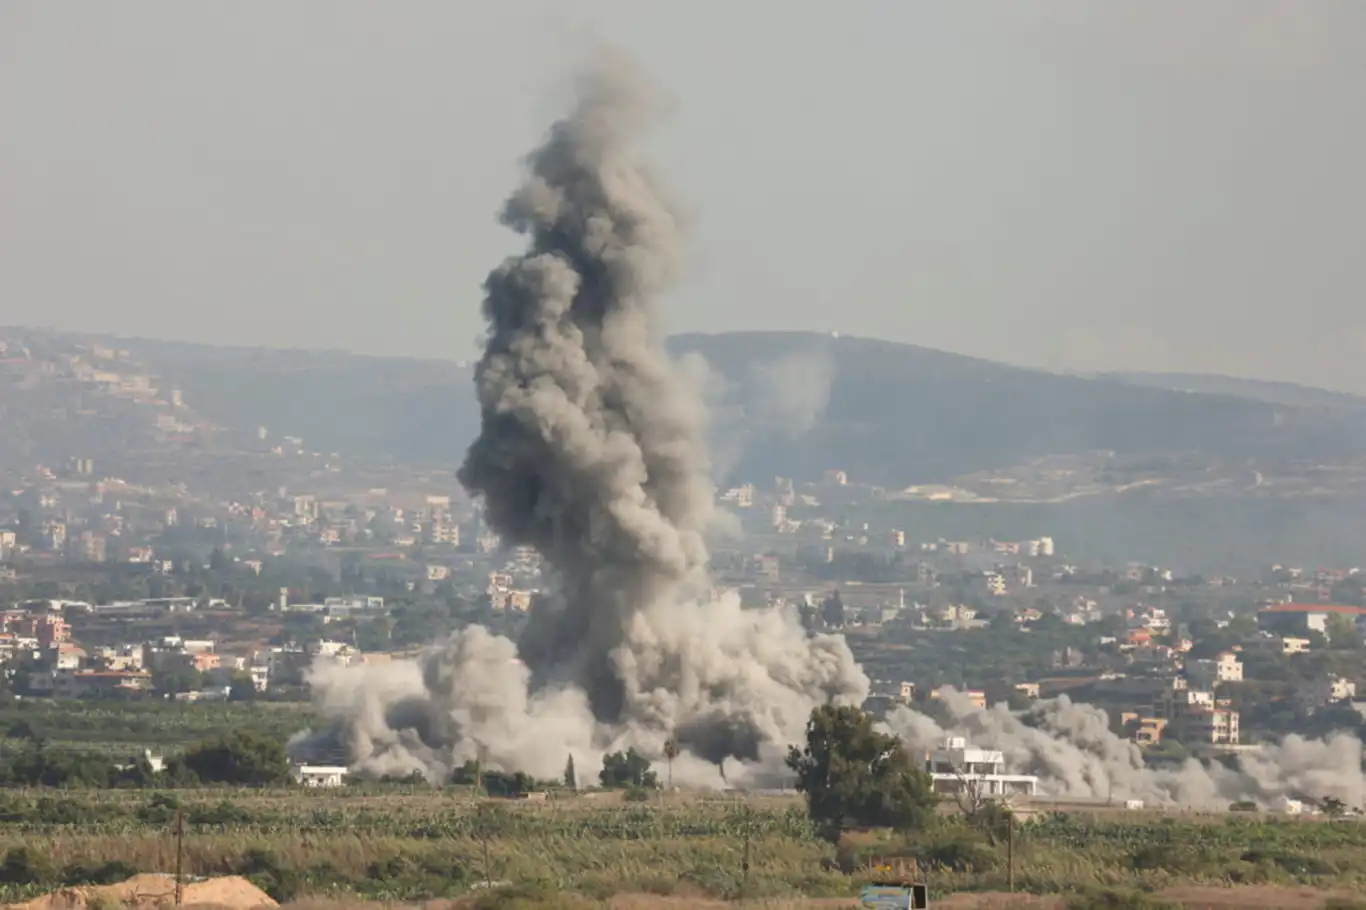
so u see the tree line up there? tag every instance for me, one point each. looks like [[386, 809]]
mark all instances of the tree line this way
[[239, 757]]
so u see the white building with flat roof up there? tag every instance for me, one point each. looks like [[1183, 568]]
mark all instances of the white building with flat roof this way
[[320, 775], [956, 766]]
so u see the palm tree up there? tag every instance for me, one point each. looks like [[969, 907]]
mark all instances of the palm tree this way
[[670, 753]]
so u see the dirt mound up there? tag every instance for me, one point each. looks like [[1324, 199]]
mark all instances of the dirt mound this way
[[143, 892]]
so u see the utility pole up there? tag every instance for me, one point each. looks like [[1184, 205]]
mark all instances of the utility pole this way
[[484, 837], [1010, 853], [744, 865], [179, 856]]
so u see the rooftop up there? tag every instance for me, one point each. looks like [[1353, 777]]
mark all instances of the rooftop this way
[[1316, 608]]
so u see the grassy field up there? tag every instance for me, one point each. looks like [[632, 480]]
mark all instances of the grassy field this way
[[418, 844], [123, 728]]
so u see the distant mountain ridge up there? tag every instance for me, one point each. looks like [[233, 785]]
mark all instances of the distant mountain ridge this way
[[898, 413], [790, 404], [1288, 393]]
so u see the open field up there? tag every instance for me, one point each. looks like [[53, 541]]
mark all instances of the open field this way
[[149, 892], [127, 727], [415, 844]]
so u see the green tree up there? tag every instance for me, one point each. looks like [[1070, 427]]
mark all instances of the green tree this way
[[1242, 627], [241, 688], [239, 757], [219, 561], [375, 635], [670, 753], [26, 866], [627, 769], [854, 777], [175, 680], [516, 783], [1342, 632], [571, 777], [832, 610]]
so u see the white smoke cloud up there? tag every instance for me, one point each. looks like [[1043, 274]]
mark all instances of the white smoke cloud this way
[[1072, 749]]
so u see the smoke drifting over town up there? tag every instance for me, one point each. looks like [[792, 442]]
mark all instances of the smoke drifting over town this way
[[592, 451], [1071, 748]]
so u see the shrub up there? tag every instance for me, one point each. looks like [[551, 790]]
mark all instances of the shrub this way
[[107, 873], [265, 871], [627, 769], [239, 757], [222, 813], [160, 809], [636, 795], [25, 866], [956, 849]]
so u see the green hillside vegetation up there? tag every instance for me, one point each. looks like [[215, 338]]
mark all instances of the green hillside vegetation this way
[[896, 413]]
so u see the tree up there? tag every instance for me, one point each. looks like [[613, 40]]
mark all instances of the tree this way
[[219, 561], [854, 776], [1242, 627], [832, 610], [670, 753], [571, 777], [22, 729], [1342, 632], [516, 783], [375, 635], [240, 757], [627, 769], [175, 680], [242, 688]]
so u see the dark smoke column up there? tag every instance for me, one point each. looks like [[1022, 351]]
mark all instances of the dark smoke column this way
[[590, 451]]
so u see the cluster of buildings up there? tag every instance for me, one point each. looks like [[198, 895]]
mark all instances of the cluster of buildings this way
[[37, 644], [1185, 698]]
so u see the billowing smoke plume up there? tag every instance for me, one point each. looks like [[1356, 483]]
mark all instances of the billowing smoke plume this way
[[1071, 748], [592, 451]]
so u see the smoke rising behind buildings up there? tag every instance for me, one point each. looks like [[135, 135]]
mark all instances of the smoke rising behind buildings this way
[[1072, 749]]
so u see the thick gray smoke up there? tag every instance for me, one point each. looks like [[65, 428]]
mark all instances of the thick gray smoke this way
[[592, 451], [1071, 748]]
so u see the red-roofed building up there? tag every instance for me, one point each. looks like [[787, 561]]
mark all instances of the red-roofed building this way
[[1291, 618]]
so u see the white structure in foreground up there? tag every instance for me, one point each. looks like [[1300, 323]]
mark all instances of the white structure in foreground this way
[[320, 775], [956, 767]]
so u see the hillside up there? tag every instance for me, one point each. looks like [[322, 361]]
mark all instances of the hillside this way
[[791, 404], [1287, 393], [898, 414], [410, 409]]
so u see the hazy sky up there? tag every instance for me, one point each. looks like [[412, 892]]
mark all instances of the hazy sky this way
[[1151, 185]]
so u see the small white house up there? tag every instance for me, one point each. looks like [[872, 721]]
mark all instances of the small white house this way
[[320, 775], [956, 766]]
